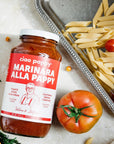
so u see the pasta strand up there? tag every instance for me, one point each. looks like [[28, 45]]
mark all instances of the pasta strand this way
[[110, 10]]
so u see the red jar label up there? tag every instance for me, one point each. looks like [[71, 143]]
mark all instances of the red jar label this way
[[30, 88]]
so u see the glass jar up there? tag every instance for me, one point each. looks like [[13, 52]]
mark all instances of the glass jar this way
[[31, 81]]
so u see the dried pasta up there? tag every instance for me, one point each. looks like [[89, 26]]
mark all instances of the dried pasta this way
[[78, 29], [85, 40], [106, 18], [91, 57], [98, 14], [89, 140], [99, 30], [88, 42], [104, 79], [92, 44], [88, 35], [78, 24], [105, 23], [110, 10], [107, 36], [105, 6]]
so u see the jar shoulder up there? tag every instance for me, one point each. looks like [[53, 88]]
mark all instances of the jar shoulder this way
[[39, 50]]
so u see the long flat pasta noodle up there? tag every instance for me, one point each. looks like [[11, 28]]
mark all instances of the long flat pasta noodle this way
[[110, 10], [78, 24], [105, 23], [78, 29], [98, 14], [106, 18]]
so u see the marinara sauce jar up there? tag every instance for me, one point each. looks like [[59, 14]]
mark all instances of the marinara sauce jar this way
[[31, 82]]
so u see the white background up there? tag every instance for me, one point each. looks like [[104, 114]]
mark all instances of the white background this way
[[18, 14]]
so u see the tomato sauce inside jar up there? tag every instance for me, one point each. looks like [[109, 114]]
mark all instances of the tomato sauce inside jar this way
[[31, 81]]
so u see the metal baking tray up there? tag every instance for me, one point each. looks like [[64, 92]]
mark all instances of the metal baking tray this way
[[57, 13]]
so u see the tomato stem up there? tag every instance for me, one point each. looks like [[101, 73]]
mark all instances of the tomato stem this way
[[75, 112]]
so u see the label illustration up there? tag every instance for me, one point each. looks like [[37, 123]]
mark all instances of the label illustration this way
[[30, 88]]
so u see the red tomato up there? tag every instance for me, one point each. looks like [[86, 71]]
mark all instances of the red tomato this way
[[79, 111], [110, 45]]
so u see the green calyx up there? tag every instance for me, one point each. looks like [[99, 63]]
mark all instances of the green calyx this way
[[75, 112]]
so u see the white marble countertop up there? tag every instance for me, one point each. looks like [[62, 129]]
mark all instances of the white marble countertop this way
[[18, 14]]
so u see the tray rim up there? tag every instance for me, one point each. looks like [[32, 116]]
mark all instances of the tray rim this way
[[75, 57]]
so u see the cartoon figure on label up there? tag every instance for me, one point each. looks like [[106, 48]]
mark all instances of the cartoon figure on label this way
[[30, 99]]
